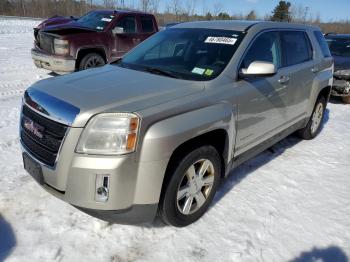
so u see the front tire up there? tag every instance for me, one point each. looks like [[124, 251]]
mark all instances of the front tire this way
[[91, 60], [313, 127], [191, 187]]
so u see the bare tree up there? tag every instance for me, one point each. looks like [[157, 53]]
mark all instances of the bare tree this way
[[300, 14], [204, 7], [145, 5], [190, 7], [176, 7], [217, 7], [109, 3], [154, 5]]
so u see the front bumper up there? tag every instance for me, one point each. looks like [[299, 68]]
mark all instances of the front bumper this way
[[136, 214], [134, 187], [53, 63], [340, 88]]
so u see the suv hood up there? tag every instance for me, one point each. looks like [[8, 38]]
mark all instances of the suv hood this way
[[74, 98]]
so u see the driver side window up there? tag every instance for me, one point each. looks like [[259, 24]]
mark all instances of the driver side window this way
[[128, 23], [266, 48]]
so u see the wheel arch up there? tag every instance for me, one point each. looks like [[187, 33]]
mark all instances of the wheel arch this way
[[83, 51], [168, 140]]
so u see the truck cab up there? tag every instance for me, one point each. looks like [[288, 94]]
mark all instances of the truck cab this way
[[65, 45]]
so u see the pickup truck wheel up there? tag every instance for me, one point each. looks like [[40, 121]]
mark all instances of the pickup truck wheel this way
[[191, 187], [314, 125], [90, 61]]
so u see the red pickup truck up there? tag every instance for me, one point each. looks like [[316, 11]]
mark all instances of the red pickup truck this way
[[68, 44]]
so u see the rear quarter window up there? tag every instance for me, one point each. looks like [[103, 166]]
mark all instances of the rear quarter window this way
[[296, 47], [322, 44]]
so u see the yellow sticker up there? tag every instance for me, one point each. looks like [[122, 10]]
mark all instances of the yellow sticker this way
[[208, 72]]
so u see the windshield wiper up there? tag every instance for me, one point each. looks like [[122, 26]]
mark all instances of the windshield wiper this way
[[158, 71]]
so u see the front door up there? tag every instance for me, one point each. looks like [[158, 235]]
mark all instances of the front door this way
[[128, 38], [262, 100]]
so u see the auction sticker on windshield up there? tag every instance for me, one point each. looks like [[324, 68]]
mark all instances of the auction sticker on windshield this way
[[221, 40], [105, 19]]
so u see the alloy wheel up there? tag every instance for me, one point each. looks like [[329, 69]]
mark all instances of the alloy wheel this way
[[195, 186], [94, 61], [317, 118]]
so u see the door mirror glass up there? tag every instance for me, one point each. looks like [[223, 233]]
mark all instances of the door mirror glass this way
[[118, 30], [259, 68]]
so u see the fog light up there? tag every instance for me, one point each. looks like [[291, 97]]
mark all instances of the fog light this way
[[102, 188]]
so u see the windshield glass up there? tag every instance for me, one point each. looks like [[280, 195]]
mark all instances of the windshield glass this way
[[95, 20], [192, 54], [339, 47]]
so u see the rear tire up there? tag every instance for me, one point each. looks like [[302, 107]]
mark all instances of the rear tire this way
[[91, 60], [313, 127], [191, 187]]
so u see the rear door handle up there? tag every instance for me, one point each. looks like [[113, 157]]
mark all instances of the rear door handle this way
[[283, 80]]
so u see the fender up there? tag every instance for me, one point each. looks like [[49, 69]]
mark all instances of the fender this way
[[163, 137], [98, 47], [322, 80]]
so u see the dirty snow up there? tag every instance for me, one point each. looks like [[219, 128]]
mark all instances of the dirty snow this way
[[289, 203]]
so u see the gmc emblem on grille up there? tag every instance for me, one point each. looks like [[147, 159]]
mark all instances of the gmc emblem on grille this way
[[33, 127]]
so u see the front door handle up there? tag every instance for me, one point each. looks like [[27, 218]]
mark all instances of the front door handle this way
[[283, 80]]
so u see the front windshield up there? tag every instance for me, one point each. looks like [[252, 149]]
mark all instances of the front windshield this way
[[192, 54], [339, 47], [96, 21]]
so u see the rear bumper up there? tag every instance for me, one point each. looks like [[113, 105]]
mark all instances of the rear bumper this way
[[53, 63]]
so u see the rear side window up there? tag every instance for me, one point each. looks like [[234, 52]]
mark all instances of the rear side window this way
[[147, 24], [265, 48], [296, 47], [322, 43]]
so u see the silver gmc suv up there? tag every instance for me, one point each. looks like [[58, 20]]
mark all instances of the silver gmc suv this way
[[156, 131]]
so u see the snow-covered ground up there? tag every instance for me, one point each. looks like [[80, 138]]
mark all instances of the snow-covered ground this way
[[289, 203]]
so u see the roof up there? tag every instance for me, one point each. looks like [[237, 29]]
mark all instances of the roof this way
[[218, 24], [112, 11], [239, 25], [338, 36]]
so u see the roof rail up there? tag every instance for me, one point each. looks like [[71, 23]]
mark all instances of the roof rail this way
[[330, 33]]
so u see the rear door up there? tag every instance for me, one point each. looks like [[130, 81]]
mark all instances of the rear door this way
[[129, 38], [299, 67]]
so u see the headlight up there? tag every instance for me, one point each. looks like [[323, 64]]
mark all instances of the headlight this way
[[61, 47], [109, 134]]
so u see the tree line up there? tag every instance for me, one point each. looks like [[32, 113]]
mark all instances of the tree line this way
[[172, 11]]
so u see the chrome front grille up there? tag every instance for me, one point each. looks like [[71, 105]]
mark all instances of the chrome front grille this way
[[41, 136]]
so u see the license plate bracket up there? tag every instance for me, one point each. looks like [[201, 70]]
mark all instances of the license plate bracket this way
[[33, 168]]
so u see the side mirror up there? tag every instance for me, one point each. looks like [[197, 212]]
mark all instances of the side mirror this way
[[259, 69], [118, 30]]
